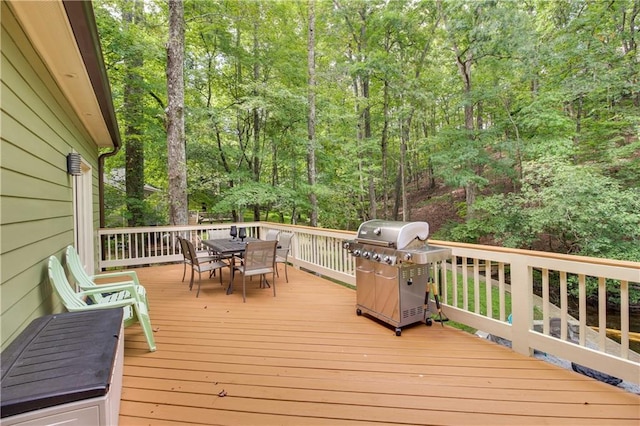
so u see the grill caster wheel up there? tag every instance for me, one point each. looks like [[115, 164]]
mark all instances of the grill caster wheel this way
[[429, 322], [358, 312], [398, 331]]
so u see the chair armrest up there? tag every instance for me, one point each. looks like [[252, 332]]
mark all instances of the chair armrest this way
[[103, 306], [100, 289], [111, 287], [132, 274], [114, 304], [205, 259]]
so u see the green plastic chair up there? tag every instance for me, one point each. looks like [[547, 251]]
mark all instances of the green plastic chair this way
[[87, 282], [135, 310]]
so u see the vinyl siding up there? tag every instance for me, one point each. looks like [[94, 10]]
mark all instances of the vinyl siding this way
[[39, 128]]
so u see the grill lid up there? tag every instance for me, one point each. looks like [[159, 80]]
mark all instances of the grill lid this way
[[393, 234]]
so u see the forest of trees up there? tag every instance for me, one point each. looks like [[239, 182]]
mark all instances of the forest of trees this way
[[327, 112]]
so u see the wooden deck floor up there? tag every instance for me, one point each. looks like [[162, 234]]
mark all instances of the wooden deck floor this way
[[305, 358]]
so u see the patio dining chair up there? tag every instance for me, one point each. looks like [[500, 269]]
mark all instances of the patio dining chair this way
[[87, 282], [204, 264], [282, 252], [272, 234], [135, 310], [202, 256], [259, 259]]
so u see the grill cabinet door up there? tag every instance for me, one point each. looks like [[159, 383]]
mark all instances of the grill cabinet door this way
[[365, 283], [386, 298]]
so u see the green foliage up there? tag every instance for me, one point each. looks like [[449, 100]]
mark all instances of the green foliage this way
[[590, 214], [580, 210], [552, 85], [153, 207]]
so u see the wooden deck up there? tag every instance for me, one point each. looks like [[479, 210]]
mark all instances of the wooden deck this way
[[305, 358]]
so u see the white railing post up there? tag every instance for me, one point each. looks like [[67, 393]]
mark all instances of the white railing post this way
[[521, 306]]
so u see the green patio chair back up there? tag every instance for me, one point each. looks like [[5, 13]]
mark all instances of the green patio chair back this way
[[87, 282], [135, 311], [63, 289]]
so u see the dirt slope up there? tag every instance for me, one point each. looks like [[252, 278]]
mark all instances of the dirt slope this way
[[435, 206]]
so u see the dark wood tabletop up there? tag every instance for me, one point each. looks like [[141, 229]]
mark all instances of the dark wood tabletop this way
[[228, 245]]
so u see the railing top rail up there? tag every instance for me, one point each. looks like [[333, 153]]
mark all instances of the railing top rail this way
[[167, 228], [317, 231], [311, 229]]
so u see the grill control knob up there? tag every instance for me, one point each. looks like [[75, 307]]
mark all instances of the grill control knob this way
[[366, 254], [376, 257], [407, 256], [356, 253], [387, 260]]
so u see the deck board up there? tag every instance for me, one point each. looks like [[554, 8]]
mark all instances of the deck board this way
[[305, 358]]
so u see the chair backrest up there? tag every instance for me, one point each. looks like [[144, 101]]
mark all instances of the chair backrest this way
[[260, 255], [198, 242], [61, 286], [272, 234], [189, 251], [184, 248], [181, 244], [74, 264], [284, 244]]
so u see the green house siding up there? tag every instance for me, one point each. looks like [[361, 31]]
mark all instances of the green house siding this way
[[39, 128]]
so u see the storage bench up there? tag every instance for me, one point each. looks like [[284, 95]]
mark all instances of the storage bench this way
[[64, 369]]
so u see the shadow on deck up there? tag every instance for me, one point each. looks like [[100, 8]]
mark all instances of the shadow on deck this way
[[305, 358]]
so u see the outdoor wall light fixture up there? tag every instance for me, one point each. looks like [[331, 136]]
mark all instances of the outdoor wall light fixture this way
[[74, 164]]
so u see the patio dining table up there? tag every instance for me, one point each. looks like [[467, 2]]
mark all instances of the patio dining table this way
[[228, 247]]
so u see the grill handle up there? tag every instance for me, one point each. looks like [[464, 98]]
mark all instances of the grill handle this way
[[376, 243]]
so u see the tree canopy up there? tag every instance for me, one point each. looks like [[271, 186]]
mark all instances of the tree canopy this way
[[532, 107]]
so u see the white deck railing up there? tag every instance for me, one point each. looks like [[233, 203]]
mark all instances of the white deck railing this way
[[462, 281]]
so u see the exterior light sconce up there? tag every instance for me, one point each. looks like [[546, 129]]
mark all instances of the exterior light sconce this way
[[74, 164]]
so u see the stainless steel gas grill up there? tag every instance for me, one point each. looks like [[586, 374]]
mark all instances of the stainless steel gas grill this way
[[393, 261]]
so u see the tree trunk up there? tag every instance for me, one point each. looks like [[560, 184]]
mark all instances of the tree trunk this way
[[366, 112], [133, 14], [176, 156], [384, 146], [404, 138], [464, 67], [256, 120], [403, 189], [311, 123], [397, 192], [359, 144], [366, 116]]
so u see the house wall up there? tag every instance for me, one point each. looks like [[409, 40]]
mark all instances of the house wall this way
[[38, 129]]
